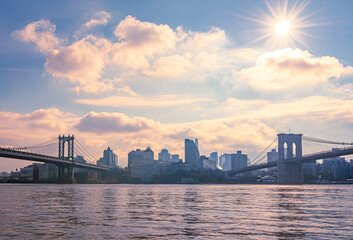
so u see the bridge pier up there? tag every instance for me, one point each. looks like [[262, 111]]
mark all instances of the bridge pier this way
[[290, 172], [65, 174]]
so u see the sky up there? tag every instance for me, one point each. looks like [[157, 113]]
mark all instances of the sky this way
[[132, 74]]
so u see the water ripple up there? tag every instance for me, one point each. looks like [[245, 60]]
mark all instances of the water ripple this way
[[176, 211]]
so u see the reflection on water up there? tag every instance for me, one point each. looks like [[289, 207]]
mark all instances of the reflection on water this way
[[176, 211]]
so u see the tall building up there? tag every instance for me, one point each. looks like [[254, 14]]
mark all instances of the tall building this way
[[164, 155], [239, 160], [134, 155], [272, 156], [142, 164], [214, 157], [192, 155], [225, 161], [109, 158]]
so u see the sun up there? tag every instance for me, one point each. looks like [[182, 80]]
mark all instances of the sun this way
[[283, 24], [282, 28]]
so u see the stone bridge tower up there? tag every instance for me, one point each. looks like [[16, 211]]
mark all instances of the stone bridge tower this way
[[290, 146]]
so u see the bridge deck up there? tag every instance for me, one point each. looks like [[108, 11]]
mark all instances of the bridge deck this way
[[10, 153], [306, 158]]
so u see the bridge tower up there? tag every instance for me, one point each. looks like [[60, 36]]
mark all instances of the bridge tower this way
[[70, 146], [66, 172], [290, 172]]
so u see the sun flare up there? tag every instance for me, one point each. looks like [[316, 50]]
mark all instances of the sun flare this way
[[283, 24], [282, 28]]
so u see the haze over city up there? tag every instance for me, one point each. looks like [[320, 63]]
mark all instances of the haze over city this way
[[152, 74]]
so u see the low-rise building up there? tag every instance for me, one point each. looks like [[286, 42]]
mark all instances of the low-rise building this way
[[48, 172]]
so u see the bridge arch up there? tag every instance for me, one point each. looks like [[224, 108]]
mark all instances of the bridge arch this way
[[285, 150], [294, 149], [69, 141], [289, 173]]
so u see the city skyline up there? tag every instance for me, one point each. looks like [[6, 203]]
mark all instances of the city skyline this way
[[117, 75]]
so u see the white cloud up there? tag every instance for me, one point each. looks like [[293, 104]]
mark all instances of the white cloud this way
[[140, 41], [210, 41], [315, 108], [82, 63], [171, 67], [113, 123], [100, 18], [136, 101], [142, 49], [291, 69], [42, 33]]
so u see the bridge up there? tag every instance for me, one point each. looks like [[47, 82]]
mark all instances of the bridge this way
[[65, 160], [290, 158]]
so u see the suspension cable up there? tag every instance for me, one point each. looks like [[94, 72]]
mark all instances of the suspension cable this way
[[85, 149], [311, 139], [48, 142], [251, 162]]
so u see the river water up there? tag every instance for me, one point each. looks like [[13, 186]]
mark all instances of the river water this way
[[31, 211]]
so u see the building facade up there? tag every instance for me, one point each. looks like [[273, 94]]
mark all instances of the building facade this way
[[175, 158], [142, 164], [48, 172], [239, 160], [225, 162], [214, 157], [192, 155], [164, 155], [109, 158]]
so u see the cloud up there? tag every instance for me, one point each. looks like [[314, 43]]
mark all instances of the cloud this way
[[209, 41], [113, 123], [142, 49], [315, 108], [140, 41], [42, 33], [291, 68], [100, 18], [250, 131], [37, 126], [171, 67], [82, 63], [136, 101]]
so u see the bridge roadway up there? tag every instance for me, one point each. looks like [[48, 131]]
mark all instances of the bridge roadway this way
[[10, 153], [304, 159]]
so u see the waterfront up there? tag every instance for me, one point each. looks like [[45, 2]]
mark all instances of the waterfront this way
[[176, 211]]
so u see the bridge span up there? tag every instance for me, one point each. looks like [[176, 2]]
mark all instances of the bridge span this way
[[11, 153], [65, 160], [290, 169]]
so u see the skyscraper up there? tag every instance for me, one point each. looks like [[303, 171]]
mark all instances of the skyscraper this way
[[214, 157], [109, 158], [192, 155], [164, 155], [239, 160], [225, 162], [142, 164]]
